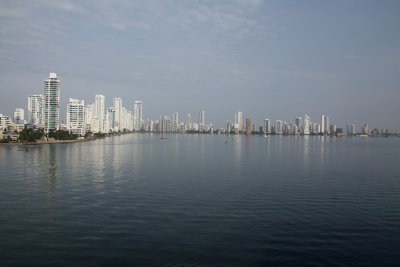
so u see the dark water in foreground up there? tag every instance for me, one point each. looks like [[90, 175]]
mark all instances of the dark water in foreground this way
[[196, 200]]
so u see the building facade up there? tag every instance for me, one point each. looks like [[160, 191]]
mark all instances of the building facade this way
[[51, 103], [35, 110], [76, 116]]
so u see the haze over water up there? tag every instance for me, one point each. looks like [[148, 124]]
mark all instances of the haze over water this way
[[202, 199]]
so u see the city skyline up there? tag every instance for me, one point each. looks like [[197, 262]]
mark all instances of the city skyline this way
[[268, 59], [44, 112]]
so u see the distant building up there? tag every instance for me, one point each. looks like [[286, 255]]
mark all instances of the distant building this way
[[327, 130], [110, 120], [202, 115], [365, 129], [76, 116], [333, 129], [51, 103], [137, 115], [19, 116], [118, 120], [175, 122], [267, 126], [278, 127], [248, 126], [239, 120], [306, 130], [35, 110], [5, 120], [99, 105]]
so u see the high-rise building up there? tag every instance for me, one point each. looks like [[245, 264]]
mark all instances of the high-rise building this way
[[76, 116], [51, 103], [118, 114], [175, 122], [306, 129], [365, 129], [323, 124], [327, 129], [278, 127], [35, 110], [353, 129], [332, 129], [99, 104], [267, 126], [19, 116], [239, 120], [188, 124], [110, 120], [248, 126], [348, 129], [137, 115], [201, 120], [165, 124]]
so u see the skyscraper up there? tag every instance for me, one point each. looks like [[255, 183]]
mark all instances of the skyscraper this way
[[278, 127], [239, 121], [365, 129], [76, 116], [306, 129], [118, 119], [137, 115], [99, 104], [175, 121], [110, 120], [35, 110], [322, 124], [267, 126], [51, 103], [299, 124], [201, 120], [327, 129], [248, 126]]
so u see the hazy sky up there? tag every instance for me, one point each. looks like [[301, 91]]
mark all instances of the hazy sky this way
[[268, 59]]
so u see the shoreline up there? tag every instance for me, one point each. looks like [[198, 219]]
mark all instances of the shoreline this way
[[48, 142]]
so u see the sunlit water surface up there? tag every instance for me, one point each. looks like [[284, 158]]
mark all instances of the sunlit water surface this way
[[202, 200]]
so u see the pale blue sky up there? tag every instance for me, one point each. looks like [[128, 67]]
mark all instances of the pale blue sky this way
[[268, 59]]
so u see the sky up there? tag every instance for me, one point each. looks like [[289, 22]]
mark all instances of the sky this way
[[268, 59]]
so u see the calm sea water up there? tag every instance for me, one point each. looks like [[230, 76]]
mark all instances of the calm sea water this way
[[202, 200]]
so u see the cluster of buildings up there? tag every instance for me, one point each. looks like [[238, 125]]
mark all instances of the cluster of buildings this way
[[301, 126], [44, 113], [167, 124]]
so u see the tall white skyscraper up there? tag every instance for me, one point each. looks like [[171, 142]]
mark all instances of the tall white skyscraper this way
[[99, 104], [323, 124], [307, 125], [188, 125], [278, 127], [118, 114], [110, 120], [76, 116], [175, 121], [202, 115], [35, 110], [19, 116], [51, 102], [137, 115], [239, 120]]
